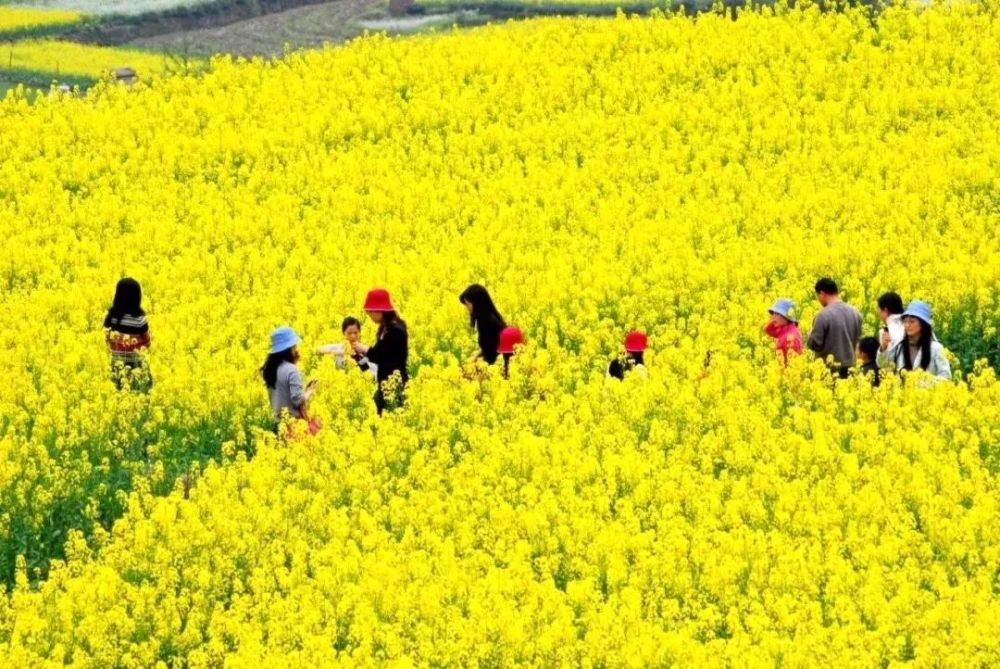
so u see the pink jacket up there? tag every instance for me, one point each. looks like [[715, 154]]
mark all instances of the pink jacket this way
[[787, 338]]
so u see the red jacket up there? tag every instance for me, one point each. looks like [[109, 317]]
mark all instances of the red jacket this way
[[787, 338]]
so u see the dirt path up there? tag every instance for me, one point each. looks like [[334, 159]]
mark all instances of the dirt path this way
[[267, 35]]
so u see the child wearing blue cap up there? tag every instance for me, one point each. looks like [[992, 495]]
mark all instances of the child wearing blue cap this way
[[283, 378], [919, 349], [783, 327]]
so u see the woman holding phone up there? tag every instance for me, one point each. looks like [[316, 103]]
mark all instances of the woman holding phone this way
[[283, 379]]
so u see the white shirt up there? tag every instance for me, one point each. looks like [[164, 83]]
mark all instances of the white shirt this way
[[894, 324]]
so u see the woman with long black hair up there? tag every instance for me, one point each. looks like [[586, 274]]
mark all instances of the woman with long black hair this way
[[288, 394], [919, 349], [127, 335], [485, 318], [390, 351]]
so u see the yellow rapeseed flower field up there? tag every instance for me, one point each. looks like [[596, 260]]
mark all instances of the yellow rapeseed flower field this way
[[21, 18], [81, 60], [668, 174]]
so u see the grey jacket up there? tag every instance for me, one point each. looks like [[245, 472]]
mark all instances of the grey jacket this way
[[836, 331], [288, 392]]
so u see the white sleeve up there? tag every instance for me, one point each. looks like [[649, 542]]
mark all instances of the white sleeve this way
[[942, 368], [896, 333]]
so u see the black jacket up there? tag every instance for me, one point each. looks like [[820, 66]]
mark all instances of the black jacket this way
[[489, 337], [391, 352], [871, 368]]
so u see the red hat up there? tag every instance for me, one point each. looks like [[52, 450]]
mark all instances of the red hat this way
[[635, 342], [378, 300], [509, 338]]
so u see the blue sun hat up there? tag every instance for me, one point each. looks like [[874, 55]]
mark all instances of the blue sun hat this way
[[284, 338], [784, 307], [920, 310]]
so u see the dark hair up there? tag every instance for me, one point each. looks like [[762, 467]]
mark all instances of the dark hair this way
[[926, 337], [389, 319], [827, 285], [619, 366], [869, 346], [128, 299], [348, 322], [482, 305], [270, 369], [891, 302]]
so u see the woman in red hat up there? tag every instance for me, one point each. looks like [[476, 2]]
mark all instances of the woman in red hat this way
[[509, 339], [635, 347], [389, 352]]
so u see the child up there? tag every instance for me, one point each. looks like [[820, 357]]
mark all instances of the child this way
[[635, 348], [784, 328], [868, 349], [351, 329], [389, 352], [284, 380], [510, 338], [127, 335]]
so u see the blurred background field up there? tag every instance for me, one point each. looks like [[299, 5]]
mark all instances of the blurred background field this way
[[186, 30]]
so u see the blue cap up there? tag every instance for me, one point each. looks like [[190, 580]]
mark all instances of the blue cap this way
[[920, 310], [784, 307], [284, 338]]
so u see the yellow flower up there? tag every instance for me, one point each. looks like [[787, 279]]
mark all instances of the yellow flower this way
[[668, 174]]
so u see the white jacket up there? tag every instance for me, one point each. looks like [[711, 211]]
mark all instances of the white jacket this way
[[939, 365]]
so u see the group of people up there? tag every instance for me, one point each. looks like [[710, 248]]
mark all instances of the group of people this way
[[386, 359], [905, 341]]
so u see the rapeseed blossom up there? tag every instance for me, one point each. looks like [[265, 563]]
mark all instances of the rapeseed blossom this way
[[61, 58], [14, 19], [669, 175]]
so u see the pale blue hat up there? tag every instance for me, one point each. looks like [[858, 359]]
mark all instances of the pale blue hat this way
[[284, 338], [920, 310], [784, 307]]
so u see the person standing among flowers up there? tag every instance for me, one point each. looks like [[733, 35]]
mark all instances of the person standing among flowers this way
[[919, 349], [283, 379], [783, 327], [485, 318], [836, 329], [635, 348], [127, 336], [510, 338], [868, 357], [351, 329], [389, 352], [890, 312]]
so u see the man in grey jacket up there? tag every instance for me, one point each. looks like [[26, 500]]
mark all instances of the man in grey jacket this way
[[836, 329]]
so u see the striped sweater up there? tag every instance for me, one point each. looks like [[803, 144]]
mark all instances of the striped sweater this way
[[127, 335]]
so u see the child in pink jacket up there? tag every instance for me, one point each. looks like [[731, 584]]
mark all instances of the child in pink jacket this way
[[784, 328]]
